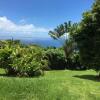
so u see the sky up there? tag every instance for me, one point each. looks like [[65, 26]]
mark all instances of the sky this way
[[34, 18]]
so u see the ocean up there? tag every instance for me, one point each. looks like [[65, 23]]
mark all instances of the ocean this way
[[42, 42], [45, 42]]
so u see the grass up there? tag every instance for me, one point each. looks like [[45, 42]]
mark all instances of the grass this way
[[55, 85]]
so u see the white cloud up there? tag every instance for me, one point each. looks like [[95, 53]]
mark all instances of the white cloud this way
[[22, 21], [8, 26]]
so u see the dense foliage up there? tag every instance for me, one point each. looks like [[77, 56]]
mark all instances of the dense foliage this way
[[65, 32], [56, 58], [88, 37], [32, 60], [22, 61]]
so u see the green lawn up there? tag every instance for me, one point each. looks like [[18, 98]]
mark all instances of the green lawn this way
[[55, 85]]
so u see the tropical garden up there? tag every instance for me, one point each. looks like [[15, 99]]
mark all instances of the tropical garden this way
[[70, 72]]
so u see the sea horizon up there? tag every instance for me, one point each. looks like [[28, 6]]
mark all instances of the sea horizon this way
[[45, 42]]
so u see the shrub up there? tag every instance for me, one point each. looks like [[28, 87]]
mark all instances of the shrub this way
[[55, 58], [76, 64], [28, 61], [5, 60], [23, 61]]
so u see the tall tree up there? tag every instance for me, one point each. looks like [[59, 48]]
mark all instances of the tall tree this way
[[88, 37], [66, 30]]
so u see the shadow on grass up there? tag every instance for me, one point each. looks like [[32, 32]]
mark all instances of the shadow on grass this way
[[88, 77], [15, 76], [5, 75]]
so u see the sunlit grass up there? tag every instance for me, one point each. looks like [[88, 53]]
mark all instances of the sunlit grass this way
[[55, 85]]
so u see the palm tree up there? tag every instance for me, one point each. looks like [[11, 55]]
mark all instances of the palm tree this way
[[67, 30]]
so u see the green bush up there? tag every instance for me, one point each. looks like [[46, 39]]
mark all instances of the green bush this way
[[23, 61], [58, 61], [31, 60], [5, 60], [75, 61], [56, 58], [28, 61]]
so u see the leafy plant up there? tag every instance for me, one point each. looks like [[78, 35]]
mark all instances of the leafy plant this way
[[28, 61], [56, 58], [22, 61], [5, 58], [88, 38]]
